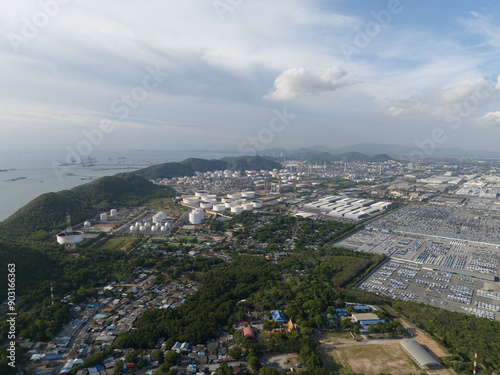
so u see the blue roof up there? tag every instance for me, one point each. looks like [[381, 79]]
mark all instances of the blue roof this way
[[341, 312], [278, 316], [362, 307]]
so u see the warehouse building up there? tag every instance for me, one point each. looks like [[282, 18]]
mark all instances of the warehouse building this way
[[420, 355], [366, 319]]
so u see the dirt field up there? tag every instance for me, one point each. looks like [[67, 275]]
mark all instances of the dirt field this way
[[375, 359], [339, 352], [278, 361]]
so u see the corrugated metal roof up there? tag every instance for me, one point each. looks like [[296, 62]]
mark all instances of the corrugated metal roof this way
[[419, 354]]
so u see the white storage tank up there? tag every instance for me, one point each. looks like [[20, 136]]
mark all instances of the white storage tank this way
[[133, 228], [236, 209], [229, 204], [103, 217], [248, 194], [113, 212], [163, 228], [248, 206], [226, 200], [201, 193], [154, 229], [87, 224], [219, 207], [195, 217], [205, 205], [69, 237], [234, 196], [190, 200], [257, 204], [142, 228]]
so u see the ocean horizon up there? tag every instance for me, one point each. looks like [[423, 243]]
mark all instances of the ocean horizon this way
[[27, 174]]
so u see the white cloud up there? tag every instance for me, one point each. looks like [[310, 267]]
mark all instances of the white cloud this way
[[295, 82], [462, 98], [491, 119]]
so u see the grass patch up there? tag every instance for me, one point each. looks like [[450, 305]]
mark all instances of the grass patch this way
[[118, 243], [166, 204]]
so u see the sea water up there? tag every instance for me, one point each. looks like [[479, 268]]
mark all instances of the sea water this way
[[26, 174]]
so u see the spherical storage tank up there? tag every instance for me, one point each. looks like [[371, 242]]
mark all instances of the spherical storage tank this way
[[104, 217], [113, 212], [133, 228], [69, 237], [87, 224]]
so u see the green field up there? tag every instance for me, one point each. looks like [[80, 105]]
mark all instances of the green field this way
[[166, 204], [118, 243]]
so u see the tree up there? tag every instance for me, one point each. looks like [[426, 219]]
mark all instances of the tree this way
[[254, 362], [142, 363], [235, 352], [131, 357], [157, 355], [268, 371], [119, 367], [224, 369], [172, 358]]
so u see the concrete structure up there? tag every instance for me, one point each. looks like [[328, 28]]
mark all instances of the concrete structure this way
[[420, 355]]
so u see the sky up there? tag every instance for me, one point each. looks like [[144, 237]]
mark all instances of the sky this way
[[248, 75]]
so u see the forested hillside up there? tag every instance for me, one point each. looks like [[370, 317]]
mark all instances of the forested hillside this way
[[48, 211]]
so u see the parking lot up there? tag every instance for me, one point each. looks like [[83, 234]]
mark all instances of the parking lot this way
[[452, 273]]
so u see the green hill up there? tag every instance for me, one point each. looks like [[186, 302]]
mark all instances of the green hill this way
[[48, 211], [189, 166]]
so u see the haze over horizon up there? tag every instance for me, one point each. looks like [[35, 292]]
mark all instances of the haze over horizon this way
[[213, 75]]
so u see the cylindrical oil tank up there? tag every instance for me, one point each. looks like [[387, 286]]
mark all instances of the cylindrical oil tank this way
[[103, 217], [190, 200], [236, 209], [257, 204], [113, 212], [219, 207]]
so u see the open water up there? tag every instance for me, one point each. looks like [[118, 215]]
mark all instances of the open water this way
[[24, 175]]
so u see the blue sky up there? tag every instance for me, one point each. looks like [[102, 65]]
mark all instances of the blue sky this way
[[346, 71]]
